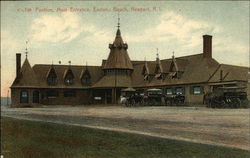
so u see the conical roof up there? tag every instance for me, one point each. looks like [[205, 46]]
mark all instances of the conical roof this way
[[27, 77], [118, 57]]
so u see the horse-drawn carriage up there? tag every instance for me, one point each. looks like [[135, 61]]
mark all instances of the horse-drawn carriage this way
[[131, 97], [150, 97], [227, 97], [154, 97], [176, 99]]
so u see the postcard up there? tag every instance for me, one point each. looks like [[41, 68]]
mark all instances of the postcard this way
[[125, 79]]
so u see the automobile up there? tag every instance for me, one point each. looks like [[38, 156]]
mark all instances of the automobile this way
[[227, 97]]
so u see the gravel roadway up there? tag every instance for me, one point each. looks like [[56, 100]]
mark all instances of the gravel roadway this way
[[223, 127]]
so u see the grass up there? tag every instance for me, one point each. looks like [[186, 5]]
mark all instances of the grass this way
[[29, 139]]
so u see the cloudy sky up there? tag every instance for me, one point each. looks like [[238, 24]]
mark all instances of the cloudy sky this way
[[81, 31]]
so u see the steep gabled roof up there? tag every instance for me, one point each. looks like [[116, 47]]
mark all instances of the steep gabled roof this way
[[85, 72], [230, 73], [118, 57], [42, 70], [196, 69], [51, 71], [145, 69], [27, 77], [173, 66], [158, 66], [67, 72]]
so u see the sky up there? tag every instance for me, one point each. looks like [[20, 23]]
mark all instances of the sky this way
[[80, 32]]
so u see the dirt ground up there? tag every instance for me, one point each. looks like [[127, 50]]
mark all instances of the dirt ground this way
[[226, 127]]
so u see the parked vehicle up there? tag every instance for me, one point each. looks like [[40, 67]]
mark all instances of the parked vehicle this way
[[177, 99], [154, 97], [151, 97], [227, 97], [131, 97]]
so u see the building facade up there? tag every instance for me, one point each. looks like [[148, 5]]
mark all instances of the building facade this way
[[192, 76]]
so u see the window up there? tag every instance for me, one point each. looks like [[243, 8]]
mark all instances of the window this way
[[36, 97], [85, 77], [24, 97], [52, 81], [197, 90], [86, 80], [52, 94], [69, 93], [179, 90], [68, 80], [169, 91], [52, 77]]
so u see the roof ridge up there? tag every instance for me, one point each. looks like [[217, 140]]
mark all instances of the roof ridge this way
[[65, 65]]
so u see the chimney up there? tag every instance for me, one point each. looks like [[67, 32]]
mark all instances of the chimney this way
[[207, 46], [18, 64]]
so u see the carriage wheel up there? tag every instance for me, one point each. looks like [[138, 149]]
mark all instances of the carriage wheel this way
[[132, 102], [141, 102], [223, 104], [213, 104], [245, 103], [127, 103], [168, 102], [237, 103], [209, 104]]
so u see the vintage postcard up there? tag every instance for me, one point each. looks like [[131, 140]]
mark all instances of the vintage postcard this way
[[140, 79]]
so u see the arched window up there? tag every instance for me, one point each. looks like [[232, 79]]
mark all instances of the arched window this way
[[52, 77], [36, 97], [69, 77], [86, 80], [24, 96], [85, 77]]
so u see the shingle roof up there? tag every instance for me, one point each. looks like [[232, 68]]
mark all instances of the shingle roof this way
[[230, 73], [118, 56], [114, 81], [195, 68], [41, 71], [27, 77]]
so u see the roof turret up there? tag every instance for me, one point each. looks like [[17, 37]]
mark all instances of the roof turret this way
[[118, 57]]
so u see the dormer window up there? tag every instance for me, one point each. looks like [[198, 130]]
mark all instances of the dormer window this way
[[174, 71], [52, 77], [85, 77], [158, 67], [86, 80], [69, 81], [145, 71], [69, 77]]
